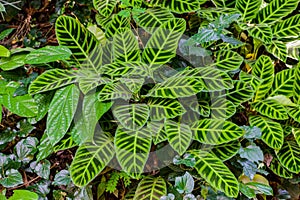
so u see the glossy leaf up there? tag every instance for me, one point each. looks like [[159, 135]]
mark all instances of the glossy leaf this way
[[222, 108], [12, 62], [177, 6], [261, 32], [287, 28], [248, 8], [226, 151], [271, 108], [280, 170], [278, 49], [296, 88], [289, 156], [150, 188], [283, 83], [114, 91], [240, 93], [228, 60], [116, 25], [105, 7]]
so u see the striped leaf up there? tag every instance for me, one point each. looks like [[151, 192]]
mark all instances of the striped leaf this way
[[278, 49], [296, 90], [264, 70], [248, 8], [204, 108], [176, 87], [52, 79], [262, 32], [215, 172], [215, 131], [133, 84], [272, 133], [227, 150], [296, 133], [283, 83], [280, 170], [132, 149], [71, 33], [158, 131], [276, 10], [289, 156], [117, 25], [135, 3], [151, 188], [176, 6], [161, 47], [105, 7], [114, 91], [287, 28], [152, 18], [88, 80], [228, 60], [253, 80], [179, 136], [108, 54], [102, 21], [126, 47], [294, 112], [90, 159], [124, 69], [271, 108], [65, 144], [164, 108], [132, 116], [222, 108], [224, 3], [213, 79], [240, 93]]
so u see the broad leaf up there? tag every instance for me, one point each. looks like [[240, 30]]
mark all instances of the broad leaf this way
[[158, 131], [52, 79], [278, 49], [61, 112], [164, 108], [271, 108], [117, 25], [228, 60], [264, 70], [276, 10], [296, 133], [222, 108], [287, 28], [251, 79], [294, 112], [150, 188], [132, 149], [90, 159], [71, 33], [248, 8], [114, 91], [224, 3], [131, 116], [227, 150], [12, 62], [214, 131], [152, 18], [280, 170], [215, 172], [162, 45], [296, 90], [105, 7], [177, 6], [289, 156], [262, 32], [283, 83], [179, 136], [272, 133]]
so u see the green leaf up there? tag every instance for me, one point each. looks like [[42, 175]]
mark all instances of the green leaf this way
[[261, 188], [48, 54], [264, 70], [164, 108], [272, 133], [176, 6], [276, 10], [62, 178], [228, 60], [12, 62], [105, 7], [133, 84], [283, 83], [213, 79], [179, 136], [150, 188], [184, 184], [224, 3], [132, 149], [90, 159], [271, 108], [226, 151], [117, 25], [114, 91], [205, 35], [252, 153], [296, 133], [61, 112], [24, 195], [131, 116], [204, 108], [278, 49], [41, 168], [43, 102], [222, 108], [248, 8], [280, 170], [296, 90], [4, 52], [158, 132], [126, 47], [249, 78], [215, 172], [12, 178], [162, 45], [152, 18], [45, 148], [294, 113], [65, 144], [262, 32], [99, 34], [175, 87], [71, 33], [214, 131], [52, 79], [287, 28], [6, 33], [247, 191], [26, 148]]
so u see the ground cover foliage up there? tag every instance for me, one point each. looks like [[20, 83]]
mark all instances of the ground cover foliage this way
[[156, 99]]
